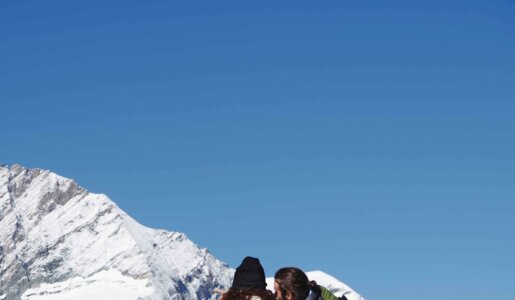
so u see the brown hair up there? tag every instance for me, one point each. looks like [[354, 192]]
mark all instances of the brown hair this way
[[293, 281], [246, 294]]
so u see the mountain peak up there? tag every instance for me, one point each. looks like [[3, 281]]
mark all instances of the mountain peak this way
[[52, 230]]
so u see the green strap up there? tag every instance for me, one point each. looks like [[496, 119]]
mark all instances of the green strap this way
[[327, 295]]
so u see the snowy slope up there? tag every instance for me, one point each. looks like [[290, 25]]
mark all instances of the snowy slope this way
[[60, 242], [105, 285]]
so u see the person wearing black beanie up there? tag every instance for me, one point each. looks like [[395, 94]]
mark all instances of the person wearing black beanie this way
[[249, 282], [250, 274]]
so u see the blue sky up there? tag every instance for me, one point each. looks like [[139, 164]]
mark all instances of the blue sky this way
[[373, 140]]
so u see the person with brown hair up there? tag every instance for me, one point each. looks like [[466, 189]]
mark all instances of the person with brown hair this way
[[292, 284], [249, 282]]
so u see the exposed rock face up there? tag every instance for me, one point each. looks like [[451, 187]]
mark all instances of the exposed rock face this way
[[52, 230]]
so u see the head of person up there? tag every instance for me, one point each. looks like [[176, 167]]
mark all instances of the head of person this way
[[291, 284], [249, 282]]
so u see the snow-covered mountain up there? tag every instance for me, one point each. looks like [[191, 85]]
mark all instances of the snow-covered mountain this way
[[60, 242], [56, 237]]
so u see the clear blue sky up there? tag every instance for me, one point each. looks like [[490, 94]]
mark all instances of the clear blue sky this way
[[373, 140]]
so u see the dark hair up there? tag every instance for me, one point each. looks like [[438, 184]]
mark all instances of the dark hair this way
[[246, 294], [292, 280]]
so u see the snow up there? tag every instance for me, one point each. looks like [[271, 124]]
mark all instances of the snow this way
[[105, 285]]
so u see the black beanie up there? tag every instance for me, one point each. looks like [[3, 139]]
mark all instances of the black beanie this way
[[249, 274]]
